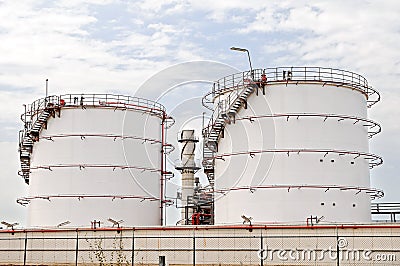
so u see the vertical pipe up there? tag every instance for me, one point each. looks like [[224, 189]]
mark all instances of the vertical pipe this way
[[165, 183], [186, 215], [202, 124], [251, 68], [162, 172], [47, 92], [25, 125]]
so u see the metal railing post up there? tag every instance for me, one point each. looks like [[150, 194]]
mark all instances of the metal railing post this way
[[305, 73]]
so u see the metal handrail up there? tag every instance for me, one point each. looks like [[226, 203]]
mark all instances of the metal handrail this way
[[33, 110], [385, 207], [299, 74], [236, 90], [91, 100], [232, 86], [39, 110]]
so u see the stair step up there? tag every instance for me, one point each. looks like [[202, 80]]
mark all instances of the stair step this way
[[26, 146]]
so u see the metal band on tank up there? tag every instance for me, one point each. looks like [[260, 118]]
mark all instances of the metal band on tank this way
[[373, 192], [83, 166], [374, 160], [26, 200], [373, 127]]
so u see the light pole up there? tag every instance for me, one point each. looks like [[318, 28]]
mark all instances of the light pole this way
[[248, 54]]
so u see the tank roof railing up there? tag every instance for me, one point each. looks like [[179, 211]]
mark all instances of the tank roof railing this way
[[323, 75], [94, 100], [36, 114], [385, 207]]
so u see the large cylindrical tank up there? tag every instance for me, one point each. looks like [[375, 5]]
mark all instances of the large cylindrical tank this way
[[292, 146], [96, 157]]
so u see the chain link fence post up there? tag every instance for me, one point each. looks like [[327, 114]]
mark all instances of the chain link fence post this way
[[194, 249], [25, 246], [77, 248], [133, 247], [262, 249]]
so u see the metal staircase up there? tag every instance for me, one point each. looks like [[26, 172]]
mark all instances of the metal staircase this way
[[224, 114], [38, 118], [208, 163]]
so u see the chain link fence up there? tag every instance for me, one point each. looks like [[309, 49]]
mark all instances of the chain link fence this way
[[202, 246]]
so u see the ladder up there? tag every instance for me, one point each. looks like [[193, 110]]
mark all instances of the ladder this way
[[222, 115], [29, 135], [225, 113]]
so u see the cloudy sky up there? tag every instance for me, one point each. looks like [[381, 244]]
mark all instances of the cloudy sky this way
[[115, 46]]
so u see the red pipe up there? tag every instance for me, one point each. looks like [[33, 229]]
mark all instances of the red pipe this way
[[162, 171]]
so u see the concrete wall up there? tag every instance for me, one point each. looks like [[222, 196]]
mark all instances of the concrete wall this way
[[212, 245]]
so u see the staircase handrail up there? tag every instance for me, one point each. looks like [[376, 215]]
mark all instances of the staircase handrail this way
[[223, 106]]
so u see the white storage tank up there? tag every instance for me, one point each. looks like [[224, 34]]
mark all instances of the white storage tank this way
[[94, 157], [290, 143]]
